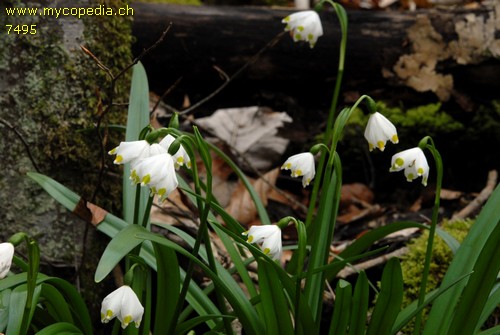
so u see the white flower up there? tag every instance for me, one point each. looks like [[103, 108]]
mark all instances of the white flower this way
[[379, 130], [130, 152], [124, 304], [304, 26], [157, 172], [414, 163], [301, 165], [180, 157], [6, 255], [270, 235]]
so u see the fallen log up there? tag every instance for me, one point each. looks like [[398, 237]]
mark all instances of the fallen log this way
[[446, 52]]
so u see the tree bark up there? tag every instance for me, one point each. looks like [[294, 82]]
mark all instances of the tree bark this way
[[50, 92]]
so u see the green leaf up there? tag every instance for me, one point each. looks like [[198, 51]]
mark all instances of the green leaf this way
[[342, 308], [60, 328], [137, 120], [184, 327], [55, 303], [359, 309], [124, 242], [111, 226], [452, 242], [18, 322], [465, 259], [4, 308], [224, 282], [276, 312], [490, 306], [75, 301], [492, 331], [477, 291], [389, 300], [322, 237], [412, 309], [168, 288]]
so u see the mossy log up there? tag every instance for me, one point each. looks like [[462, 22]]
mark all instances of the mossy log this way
[[50, 92], [442, 51]]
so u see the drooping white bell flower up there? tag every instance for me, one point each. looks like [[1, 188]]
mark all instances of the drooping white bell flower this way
[[379, 130], [304, 26], [180, 157], [6, 255], [301, 165], [132, 151], [124, 304], [157, 172], [414, 163], [270, 236]]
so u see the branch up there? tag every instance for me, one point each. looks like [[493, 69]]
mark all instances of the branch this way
[[26, 146]]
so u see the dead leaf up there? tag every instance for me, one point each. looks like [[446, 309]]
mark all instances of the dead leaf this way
[[241, 206], [250, 131]]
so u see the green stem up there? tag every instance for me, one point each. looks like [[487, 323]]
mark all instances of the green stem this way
[[432, 230], [137, 203], [147, 211], [341, 14]]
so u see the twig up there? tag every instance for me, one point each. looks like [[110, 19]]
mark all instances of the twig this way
[[101, 114], [227, 78], [167, 92], [491, 183], [110, 104], [26, 146], [346, 272]]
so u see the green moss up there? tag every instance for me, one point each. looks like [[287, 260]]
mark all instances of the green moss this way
[[413, 262]]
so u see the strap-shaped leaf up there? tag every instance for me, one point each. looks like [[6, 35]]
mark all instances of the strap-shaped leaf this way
[[342, 308], [18, 318], [465, 259], [477, 291], [137, 119], [389, 300], [124, 242], [168, 288], [276, 312], [359, 308], [60, 328]]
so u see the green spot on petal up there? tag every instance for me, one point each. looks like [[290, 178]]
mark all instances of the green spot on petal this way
[[381, 145], [399, 162], [300, 28], [298, 36], [310, 37], [126, 320], [395, 138], [118, 159], [420, 171], [250, 239], [267, 250], [146, 179]]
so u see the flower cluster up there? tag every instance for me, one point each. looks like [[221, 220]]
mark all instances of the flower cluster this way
[[151, 164], [124, 304], [6, 255]]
